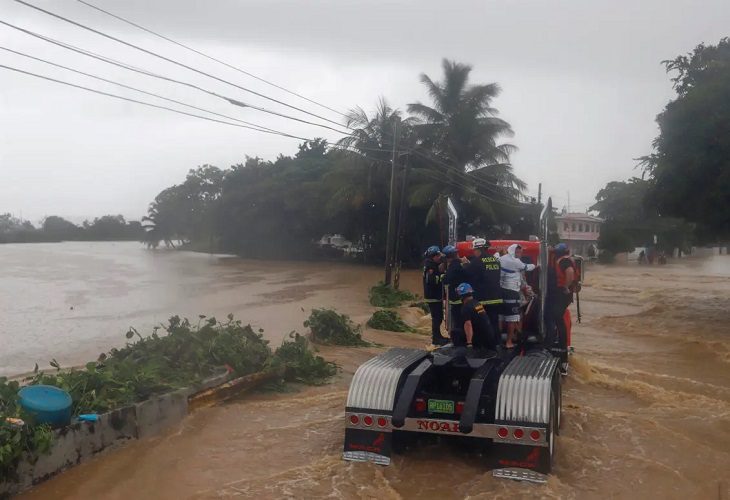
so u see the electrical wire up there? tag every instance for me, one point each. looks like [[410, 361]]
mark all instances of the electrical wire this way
[[207, 56], [434, 177], [115, 96], [123, 98], [472, 182], [135, 89], [172, 61], [129, 67], [152, 105], [450, 168]]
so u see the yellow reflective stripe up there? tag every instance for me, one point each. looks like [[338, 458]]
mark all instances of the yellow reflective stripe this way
[[491, 302], [431, 300], [455, 302]]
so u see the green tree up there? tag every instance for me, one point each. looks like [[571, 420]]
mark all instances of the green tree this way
[[615, 239], [111, 228], [459, 151], [185, 212], [690, 167], [275, 209], [59, 228], [361, 184], [632, 221]]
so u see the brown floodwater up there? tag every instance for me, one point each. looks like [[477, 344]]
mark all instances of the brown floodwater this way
[[646, 404], [72, 301]]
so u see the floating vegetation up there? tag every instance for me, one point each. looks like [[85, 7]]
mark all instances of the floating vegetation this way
[[388, 319]]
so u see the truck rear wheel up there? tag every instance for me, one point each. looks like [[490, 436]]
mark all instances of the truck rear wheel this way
[[559, 413], [552, 430]]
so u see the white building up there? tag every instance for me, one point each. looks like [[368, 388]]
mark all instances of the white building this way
[[579, 231]]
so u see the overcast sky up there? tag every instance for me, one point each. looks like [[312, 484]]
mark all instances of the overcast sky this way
[[582, 83]]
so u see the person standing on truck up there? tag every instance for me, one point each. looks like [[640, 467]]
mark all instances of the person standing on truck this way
[[511, 282], [484, 272], [566, 283], [433, 292], [478, 332], [455, 275]]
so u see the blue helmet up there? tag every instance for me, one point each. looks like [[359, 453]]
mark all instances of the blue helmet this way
[[449, 250], [432, 250], [561, 248], [464, 289]]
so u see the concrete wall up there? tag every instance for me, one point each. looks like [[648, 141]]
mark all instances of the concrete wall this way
[[81, 441]]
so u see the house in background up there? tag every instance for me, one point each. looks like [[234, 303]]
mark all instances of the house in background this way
[[579, 231]]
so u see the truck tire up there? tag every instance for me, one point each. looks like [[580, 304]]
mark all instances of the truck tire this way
[[552, 429], [559, 416]]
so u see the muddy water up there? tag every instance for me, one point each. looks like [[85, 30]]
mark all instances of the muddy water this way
[[71, 301], [647, 413]]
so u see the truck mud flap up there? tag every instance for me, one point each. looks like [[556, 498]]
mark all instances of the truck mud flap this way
[[524, 463], [527, 397], [368, 446], [370, 403]]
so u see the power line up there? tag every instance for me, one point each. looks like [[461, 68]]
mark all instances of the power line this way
[[425, 173], [177, 63], [207, 56], [129, 67], [123, 98], [152, 105], [466, 178], [136, 89]]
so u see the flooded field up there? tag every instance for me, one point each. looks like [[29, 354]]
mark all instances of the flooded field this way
[[646, 404], [71, 301]]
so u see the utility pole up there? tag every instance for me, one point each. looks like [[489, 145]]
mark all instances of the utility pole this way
[[401, 223], [539, 206], [391, 212]]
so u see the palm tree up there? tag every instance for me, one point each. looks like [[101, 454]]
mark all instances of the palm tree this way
[[364, 178], [163, 218], [459, 148]]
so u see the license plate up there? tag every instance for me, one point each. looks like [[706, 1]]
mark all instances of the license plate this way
[[440, 406]]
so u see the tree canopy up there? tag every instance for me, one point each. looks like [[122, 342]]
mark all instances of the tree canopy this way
[[689, 171], [631, 220], [450, 147], [54, 228]]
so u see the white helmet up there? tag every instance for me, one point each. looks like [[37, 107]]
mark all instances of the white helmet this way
[[479, 243]]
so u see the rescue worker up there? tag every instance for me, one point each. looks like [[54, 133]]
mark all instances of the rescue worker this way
[[511, 282], [565, 285], [478, 330], [433, 292], [484, 273], [455, 275]]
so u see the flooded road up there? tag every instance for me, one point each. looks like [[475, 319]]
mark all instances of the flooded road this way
[[646, 404]]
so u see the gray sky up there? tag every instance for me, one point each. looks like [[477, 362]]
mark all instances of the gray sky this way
[[582, 83]]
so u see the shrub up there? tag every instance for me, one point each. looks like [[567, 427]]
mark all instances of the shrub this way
[[186, 354], [330, 327], [160, 363], [16, 440], [382, 295], [300, 364], [386, 319]]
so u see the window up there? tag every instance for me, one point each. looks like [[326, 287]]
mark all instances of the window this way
[[565, 226], [580, 228], [573, 225]]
